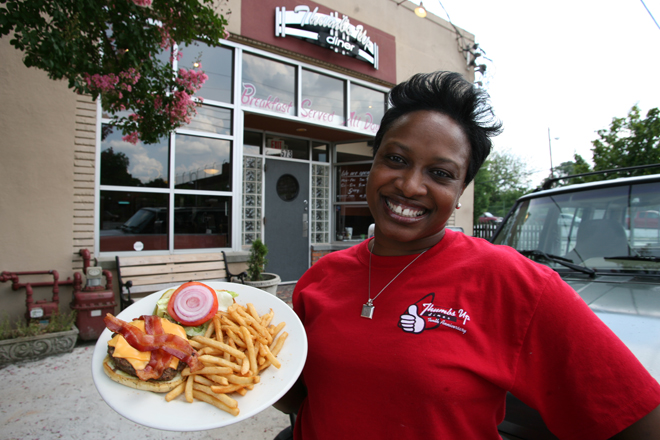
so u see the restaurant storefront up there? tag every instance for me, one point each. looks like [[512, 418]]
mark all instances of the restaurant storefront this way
[[280, 149]]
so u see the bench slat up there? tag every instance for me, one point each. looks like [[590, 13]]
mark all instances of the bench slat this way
[[179, 278], [132, 271], [163, 259]]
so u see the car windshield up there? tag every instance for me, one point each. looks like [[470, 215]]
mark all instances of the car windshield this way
[[609, 229]]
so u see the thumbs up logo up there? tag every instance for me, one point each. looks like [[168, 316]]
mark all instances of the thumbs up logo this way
[[425, 315]]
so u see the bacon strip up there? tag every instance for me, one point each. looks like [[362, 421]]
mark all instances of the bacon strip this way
[[172, 344], [159, 359]]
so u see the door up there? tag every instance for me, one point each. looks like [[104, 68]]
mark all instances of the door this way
[[287, 218]]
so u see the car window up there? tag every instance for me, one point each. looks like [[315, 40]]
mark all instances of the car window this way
[[590, 226]]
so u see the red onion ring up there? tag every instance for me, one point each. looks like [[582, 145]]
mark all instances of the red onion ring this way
[[193, 304]]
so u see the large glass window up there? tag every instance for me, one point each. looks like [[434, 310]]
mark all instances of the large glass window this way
[[202, 163], [133, 221], [202, 221], [217, 63], [268, 85], [322, 98], [125, 164], [367, 108]]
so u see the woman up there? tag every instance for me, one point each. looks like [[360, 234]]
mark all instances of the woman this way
[[421, 331]]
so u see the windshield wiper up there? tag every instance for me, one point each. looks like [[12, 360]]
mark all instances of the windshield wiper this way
[[634, 257], [559, 260]]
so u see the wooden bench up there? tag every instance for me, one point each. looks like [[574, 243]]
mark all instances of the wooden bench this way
[[147, 274]]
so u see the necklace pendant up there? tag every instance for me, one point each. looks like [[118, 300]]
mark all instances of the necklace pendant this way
[[368, 310]]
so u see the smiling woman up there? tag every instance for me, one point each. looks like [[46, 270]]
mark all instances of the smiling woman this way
[[470, 330]]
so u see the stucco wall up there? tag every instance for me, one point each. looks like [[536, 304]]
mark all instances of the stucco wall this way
[[36, 176]]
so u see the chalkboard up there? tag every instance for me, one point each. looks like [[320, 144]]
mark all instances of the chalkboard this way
[[353, 185]]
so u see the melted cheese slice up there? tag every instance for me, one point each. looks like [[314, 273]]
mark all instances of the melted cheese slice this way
[[140, 359]]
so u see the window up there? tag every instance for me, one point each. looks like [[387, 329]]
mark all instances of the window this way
[[142, 206], [323, 98], [268, 85], [352, 215], [217, 63], [367, 108]]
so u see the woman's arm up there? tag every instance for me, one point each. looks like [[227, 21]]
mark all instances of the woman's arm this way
[[646, 428], [291, 401]]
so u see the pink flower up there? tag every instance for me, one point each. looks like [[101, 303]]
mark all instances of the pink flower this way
[[142, 2], [132, 138]]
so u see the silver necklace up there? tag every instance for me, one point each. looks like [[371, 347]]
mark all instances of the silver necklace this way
[[368, 307]]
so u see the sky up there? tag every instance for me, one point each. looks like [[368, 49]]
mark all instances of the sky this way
[[559, 71]]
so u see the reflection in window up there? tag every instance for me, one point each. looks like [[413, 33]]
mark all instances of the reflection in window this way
[[217, 63], [322, 98], [133, 221], [268, 85], [352, 222], [252, 142], [320, 152], [211, 119], [202, 163], [353, 152], [201, 221], [367, 108], [125, 164], [287, 147]]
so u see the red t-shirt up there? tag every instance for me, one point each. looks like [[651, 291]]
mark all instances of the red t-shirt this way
[[465, 323]]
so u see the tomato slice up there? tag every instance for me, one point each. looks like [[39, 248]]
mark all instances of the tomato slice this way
[[193, 304]]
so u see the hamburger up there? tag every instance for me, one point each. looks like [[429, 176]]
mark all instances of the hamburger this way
[[150, 352], [149, 362]]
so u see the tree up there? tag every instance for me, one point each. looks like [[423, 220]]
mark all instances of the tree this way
[[115, 48], [502, 179], [628, 142], [569, 168]]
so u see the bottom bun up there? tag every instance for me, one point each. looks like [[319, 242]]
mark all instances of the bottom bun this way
[[134, 382]]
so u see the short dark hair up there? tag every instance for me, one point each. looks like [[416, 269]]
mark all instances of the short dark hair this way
[[452, 95]]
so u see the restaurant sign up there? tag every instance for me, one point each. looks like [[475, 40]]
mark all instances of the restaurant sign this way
[[327, 30]]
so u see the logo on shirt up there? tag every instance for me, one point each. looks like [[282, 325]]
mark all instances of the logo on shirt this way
[[425, 315]]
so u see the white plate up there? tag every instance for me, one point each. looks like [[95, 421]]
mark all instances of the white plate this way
[[151, 409]]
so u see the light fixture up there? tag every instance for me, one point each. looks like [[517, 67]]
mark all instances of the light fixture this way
[[420, 11], [211, 170]]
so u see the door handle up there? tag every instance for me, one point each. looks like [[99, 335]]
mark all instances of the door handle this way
[[305, 225]]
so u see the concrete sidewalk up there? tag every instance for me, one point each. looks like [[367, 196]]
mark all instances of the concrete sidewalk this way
[[55, 398]]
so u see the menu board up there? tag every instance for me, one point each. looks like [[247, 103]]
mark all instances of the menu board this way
[[353, 183]]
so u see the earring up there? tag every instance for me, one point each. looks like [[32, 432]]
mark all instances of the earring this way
[[459, 205]]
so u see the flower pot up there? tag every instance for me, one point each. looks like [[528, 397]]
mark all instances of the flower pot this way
[[36, 347], [269, 282]]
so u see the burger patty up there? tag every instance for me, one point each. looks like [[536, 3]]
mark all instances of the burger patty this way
[[125, 366]]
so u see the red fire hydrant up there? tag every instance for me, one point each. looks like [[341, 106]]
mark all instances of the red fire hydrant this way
[[93, 301]]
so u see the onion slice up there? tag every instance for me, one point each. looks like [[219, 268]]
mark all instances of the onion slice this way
[[193, 304]]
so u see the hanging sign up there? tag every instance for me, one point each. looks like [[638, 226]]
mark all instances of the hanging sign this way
[[327, 30]]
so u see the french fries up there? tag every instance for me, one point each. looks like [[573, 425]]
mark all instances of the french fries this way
[[240, 345]]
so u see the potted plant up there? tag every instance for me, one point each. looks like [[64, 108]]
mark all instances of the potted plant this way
[[256, 264], [31, 341]]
